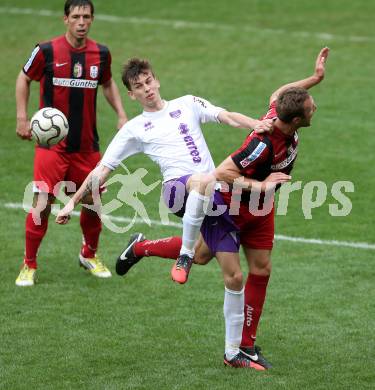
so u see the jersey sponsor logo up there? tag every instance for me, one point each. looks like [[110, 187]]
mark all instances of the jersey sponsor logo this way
[[189, 142], [283, 164], [74, 83], [175, 114], [31, 59], [249, 315], [58, 65], [184, 129], [254, 155], [94, 71], [77, 70]]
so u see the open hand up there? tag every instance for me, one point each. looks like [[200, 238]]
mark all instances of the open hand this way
[[320, 63], [264, 126], [275, 178]]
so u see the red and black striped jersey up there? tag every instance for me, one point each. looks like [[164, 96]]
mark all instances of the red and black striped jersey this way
[[69, 80], [262, 154]]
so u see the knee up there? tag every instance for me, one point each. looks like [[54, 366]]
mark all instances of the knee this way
[[208, 180], [234, 280], [268, 268], [89, 207], [202, 259], [208, 184], [87, 199], [203, 183], [42, 204], [263, 267]]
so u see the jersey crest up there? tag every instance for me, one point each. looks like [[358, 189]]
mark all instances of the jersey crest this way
[[94, 71], [175, 114], [77, 70]]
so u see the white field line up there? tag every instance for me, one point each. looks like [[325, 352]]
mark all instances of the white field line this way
[[278, 237], [176, 24], [113, 218]]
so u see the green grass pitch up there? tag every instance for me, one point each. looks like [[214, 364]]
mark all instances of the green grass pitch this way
[[72, 331]]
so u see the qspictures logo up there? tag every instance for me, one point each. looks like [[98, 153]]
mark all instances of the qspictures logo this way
[[131, 189]]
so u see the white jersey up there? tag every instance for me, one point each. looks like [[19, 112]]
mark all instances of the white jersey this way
[[171, 137]]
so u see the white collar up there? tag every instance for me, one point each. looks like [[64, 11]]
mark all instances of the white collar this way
[[156, 114]]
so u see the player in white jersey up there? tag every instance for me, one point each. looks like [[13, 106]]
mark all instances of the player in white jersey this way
[[169, 133], [171, 137]]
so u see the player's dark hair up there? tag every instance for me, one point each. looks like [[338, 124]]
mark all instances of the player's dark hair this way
[[290, 104], [133, 69], [70, 4]]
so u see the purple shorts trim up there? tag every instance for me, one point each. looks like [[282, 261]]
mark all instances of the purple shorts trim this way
[[218, 231]]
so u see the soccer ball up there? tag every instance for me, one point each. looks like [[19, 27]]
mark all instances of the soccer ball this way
[[49, 126]]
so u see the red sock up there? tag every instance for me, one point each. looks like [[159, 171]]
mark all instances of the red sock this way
[[91, 226], [31, 263], [168, 248], [34, 233], [255, 294]]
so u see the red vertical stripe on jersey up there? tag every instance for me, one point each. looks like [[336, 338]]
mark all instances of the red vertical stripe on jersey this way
[[61, 69], [46, 80]]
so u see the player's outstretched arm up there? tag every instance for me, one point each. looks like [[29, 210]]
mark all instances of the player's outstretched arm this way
[[93, 181], [240, 121], [315, 78], [22, 100]]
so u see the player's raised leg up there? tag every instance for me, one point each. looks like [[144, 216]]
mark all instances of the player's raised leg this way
[[138, 247], [128, 258], [200, 188]]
